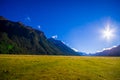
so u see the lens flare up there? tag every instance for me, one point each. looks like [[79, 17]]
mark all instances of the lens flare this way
[[108, 32]]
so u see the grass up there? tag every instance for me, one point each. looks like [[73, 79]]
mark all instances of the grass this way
[[35, 67]]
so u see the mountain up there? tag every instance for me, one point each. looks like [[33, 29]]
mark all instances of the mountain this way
[[2, 18], [62, 47], [83, 54], [16, 38], [110, 52]]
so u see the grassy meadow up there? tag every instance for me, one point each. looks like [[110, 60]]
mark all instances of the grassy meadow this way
[[38, 67]]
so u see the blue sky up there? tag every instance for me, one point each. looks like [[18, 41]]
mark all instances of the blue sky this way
[[76, 22]]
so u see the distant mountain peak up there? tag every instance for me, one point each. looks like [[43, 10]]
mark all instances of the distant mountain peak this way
[[2, 18], [114, 51]]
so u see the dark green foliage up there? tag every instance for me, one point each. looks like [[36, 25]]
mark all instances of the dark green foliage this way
[[16, 38], [7, 45]]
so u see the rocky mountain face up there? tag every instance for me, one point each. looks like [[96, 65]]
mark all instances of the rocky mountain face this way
[[16, 38]]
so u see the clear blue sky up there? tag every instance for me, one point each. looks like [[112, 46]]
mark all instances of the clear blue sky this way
[[76, 22]]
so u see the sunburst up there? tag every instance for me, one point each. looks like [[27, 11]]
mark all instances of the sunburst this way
[[108, 32]]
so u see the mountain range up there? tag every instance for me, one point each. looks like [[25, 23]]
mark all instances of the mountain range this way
[[115, 51], [16, 38]]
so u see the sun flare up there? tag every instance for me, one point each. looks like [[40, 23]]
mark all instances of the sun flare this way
[[108, 32]]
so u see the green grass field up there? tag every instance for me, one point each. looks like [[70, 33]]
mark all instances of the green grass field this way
[[35, 67]]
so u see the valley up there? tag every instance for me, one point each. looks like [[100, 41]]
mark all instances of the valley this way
[[47, 67]]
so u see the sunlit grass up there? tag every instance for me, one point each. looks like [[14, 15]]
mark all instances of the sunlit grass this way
[[35, 67]]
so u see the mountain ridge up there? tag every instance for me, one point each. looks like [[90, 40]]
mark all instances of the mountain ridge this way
[[16, 38], [115, 51]]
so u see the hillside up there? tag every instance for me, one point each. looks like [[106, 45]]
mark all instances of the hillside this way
[[62, 47], [16, 38], [111, 52]]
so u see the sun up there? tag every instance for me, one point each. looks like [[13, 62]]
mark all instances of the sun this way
[[108, 32]]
